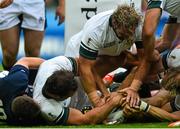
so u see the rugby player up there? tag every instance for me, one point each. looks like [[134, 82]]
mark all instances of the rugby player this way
[[107, 33], [28, 16], [170, 33], [169, 111], [54, 87], [16, 103]]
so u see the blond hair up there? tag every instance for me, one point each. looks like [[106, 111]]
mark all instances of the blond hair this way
[[171, 81], [126, 16]]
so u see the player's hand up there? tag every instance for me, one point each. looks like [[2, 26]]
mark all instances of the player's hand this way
[[129, 111], [96, 99], [5, 3], [60, 14], [132, 96]]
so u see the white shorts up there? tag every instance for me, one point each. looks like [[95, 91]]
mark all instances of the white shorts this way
[[32, 11], [173, 59]]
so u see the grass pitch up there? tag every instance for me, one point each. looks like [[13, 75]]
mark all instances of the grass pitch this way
[[124, 125]]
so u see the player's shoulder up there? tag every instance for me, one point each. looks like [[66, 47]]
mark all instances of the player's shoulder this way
[[51, 109], [55, 60]]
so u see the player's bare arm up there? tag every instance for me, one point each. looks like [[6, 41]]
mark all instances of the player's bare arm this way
[[88, 80], [30, 62], [96, 115], [168, 36], [5, 3], [149, 29], [164, 115]]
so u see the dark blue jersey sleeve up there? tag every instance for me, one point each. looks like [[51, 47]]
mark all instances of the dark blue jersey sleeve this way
[[15, 82], [11, 86]]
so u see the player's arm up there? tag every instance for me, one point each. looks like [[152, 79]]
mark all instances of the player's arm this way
[[148, 37], [149, 53], [164, 115], [148, 44], [5, 3], [154, 111], [30, 62], [88, 79], [170, 33], [149, 28], [96, 115]]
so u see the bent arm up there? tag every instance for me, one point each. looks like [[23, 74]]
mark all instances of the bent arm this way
[[94, 116], [88, 78], [149, 29], [30, 62]]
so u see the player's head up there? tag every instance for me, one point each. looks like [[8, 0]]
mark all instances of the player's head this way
[[60, 85], [171, 81], [25, 109], [124, 21]]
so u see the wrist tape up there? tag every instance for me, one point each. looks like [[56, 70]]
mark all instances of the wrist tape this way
[[144, 106]]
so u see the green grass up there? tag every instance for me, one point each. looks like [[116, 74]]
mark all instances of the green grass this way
[[1, 68], [125, 125]]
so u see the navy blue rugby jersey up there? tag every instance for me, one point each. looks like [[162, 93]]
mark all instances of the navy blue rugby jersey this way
[[11, 86]]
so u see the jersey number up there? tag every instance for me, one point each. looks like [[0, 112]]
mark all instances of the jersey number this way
[[3, 115]]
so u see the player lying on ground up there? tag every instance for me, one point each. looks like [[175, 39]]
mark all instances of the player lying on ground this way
[[54, 87], [169, 111], [24, 109], [170, 33], [16, 103]]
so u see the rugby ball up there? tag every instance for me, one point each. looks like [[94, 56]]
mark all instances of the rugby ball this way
[[174, 124]]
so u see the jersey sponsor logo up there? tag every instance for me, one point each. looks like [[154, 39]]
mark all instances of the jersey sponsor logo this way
[[109, 44]]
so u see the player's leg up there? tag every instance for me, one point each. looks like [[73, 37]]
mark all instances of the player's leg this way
[[33, 41], [9, 33], [10, 43], [34, 25]]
